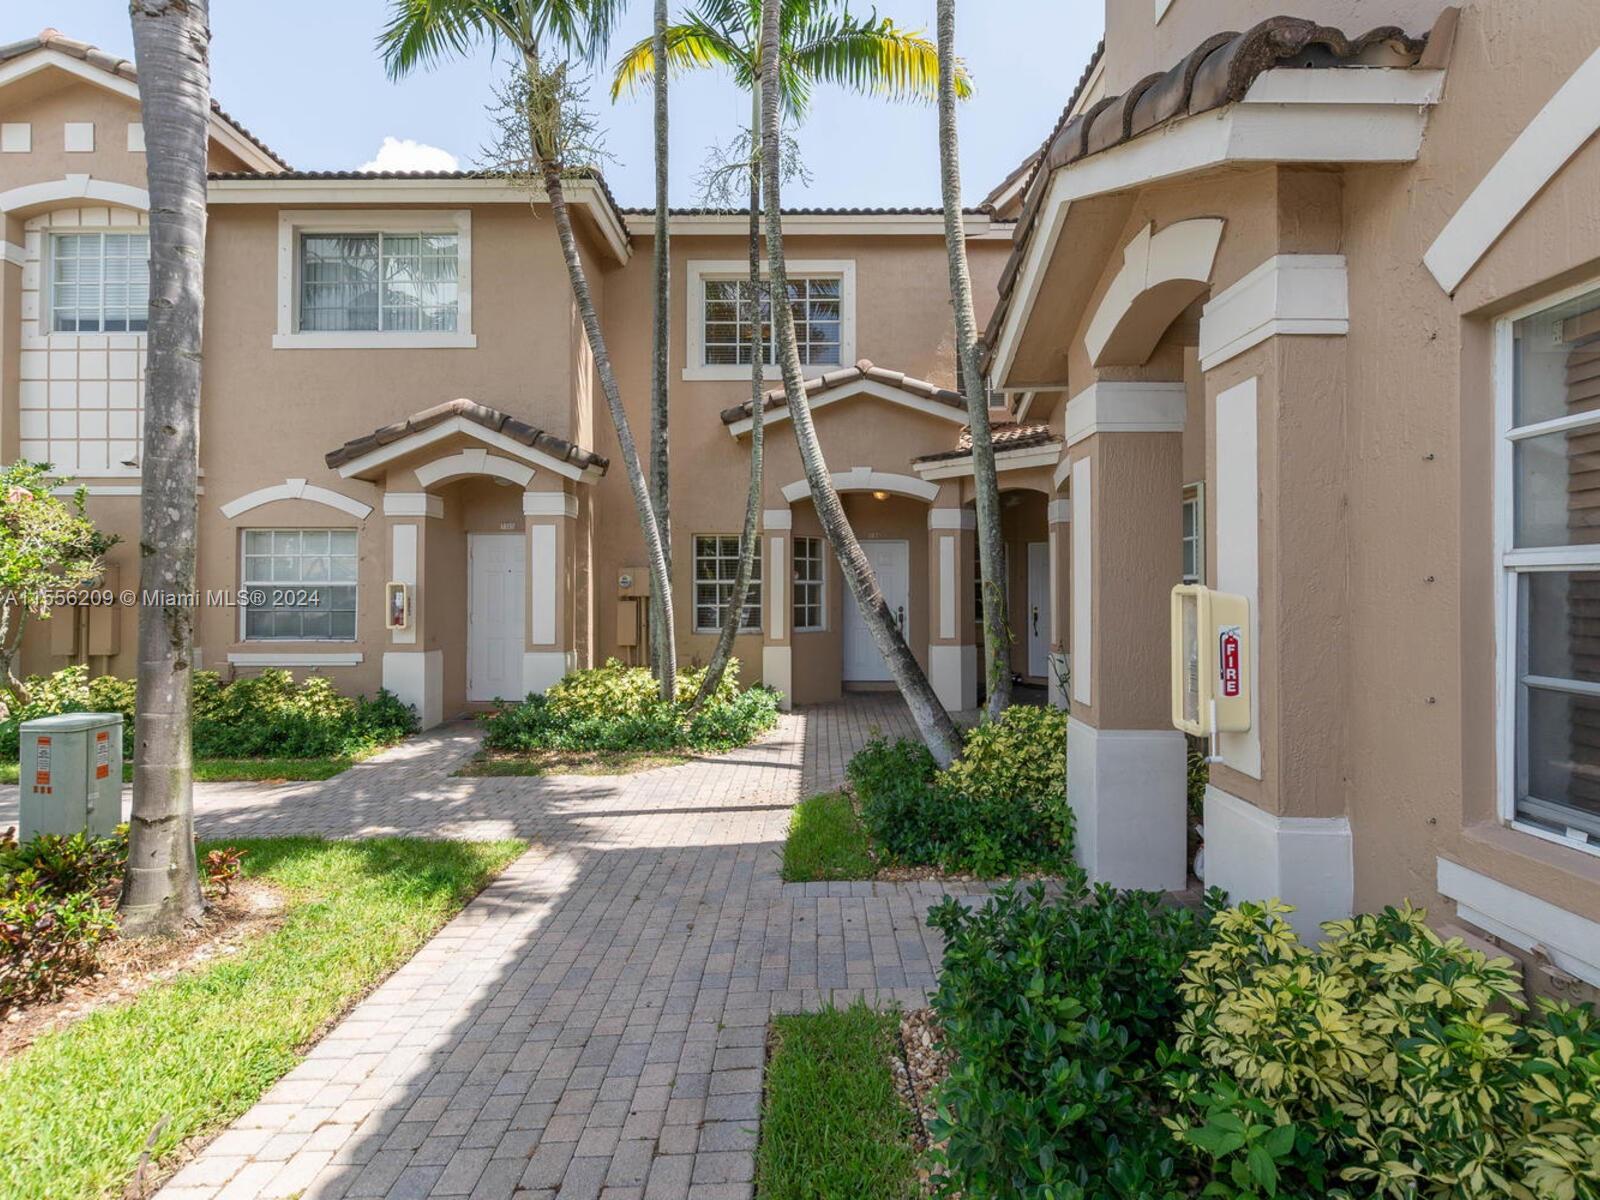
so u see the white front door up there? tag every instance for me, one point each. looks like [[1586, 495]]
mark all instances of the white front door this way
[[891, 562], [1039, 609], [497, 570]]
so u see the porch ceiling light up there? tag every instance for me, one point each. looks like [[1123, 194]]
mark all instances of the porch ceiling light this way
[[880, 495]]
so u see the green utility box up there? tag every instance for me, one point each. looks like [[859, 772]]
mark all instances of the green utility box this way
[[71, 775]]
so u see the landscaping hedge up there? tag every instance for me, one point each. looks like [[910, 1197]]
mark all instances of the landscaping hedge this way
[[616, 707], [58, 900], [1000, 807], [260, 716]]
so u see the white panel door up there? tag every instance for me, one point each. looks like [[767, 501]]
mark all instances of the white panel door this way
[[891, 562], [497, 571], [1039, 609]]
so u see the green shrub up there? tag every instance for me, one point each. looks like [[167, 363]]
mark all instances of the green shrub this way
[[57, 905], [1001, 807], [263, 716], [1055, 1011], [1387, 1062], [616, 707]]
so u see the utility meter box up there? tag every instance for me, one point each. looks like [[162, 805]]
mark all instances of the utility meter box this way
[[1210, 661], [71, 775]]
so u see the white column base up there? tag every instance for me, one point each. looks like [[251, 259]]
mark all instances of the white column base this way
[[1126, 788], [1059, 668], [777, 673], [953, 672], [1304, 861], [542, 669], [418, 679]]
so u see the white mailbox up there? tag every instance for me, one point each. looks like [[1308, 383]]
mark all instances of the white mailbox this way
[[71, 775]]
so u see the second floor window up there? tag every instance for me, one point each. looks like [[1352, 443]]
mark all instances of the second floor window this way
[[99, 282], [379, 282], [816, 303]]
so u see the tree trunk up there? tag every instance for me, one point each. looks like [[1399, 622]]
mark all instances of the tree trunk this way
[[659, 431], [171, 42], [985, 482], [660, 578], [733, 619], [934, 723]]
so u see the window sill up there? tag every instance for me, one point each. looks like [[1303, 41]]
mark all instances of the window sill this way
[[374, 341], [744, 633], [295, 658], [738, 374]]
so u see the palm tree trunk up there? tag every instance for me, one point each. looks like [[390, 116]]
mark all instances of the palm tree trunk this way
[[659, 431], [171, 41], [934, 723], [985, 481], [660, 575], [733, 618]]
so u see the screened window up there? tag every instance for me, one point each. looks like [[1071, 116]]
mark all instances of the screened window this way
[[716, 564], [299, 584], [1550, 551], [1194, 534], [815, 302], [383, 282], [809, 581], [99, 282]]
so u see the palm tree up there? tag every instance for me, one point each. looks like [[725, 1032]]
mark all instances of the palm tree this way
[[659, 389], [171, 45], [818, 45], [422, 32], [937, 729], [985, 482]]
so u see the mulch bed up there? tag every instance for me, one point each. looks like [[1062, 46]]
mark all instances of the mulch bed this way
[[128, 967]]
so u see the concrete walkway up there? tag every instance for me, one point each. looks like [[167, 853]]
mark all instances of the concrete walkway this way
[[593, 1025]]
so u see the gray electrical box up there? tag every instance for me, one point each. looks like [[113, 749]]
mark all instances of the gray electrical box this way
[[71, 775]]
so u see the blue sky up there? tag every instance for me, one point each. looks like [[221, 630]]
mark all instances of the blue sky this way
[[302, 75]]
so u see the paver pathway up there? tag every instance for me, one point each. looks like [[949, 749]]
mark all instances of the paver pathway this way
[[592, 1025]]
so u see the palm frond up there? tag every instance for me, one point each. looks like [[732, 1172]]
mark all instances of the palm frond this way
[[421, 33], [692, 45], [871, 55]]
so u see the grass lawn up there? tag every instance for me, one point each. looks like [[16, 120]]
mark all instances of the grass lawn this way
[[833, 1127], [230, 770], [79, 1104], [826, 841], [571, 762]]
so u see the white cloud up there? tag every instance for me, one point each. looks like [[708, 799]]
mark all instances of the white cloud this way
[[407, 154]]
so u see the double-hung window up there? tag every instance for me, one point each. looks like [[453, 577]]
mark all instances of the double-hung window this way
[[716, 566], [299, 585], [1194, 533], [810, 581], [1548, 543], [379, 282], [99, 282]]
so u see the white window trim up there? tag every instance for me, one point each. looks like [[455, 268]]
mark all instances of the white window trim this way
[[298, 659], [1510, 563], [822, 585], [1199, 500], [292, 223], [757, 585], [700, 270]]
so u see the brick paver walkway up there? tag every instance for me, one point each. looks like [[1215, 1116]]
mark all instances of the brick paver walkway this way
[[592, 1025]]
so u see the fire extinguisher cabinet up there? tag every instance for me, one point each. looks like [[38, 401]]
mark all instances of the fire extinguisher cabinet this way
[[71, 775]]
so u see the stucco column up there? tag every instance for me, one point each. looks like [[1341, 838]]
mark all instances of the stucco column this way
[[777, 622], [548, 654], [1060, 517], [954, 658], [413, 667], [1275, 820], [1125, 762]]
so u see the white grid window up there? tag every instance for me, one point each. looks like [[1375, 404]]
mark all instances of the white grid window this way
[[1548, 531], [299, 585], [379, 282], [810, 583], [716, 566], [99, 282], [1194, 534], [818, 323]]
